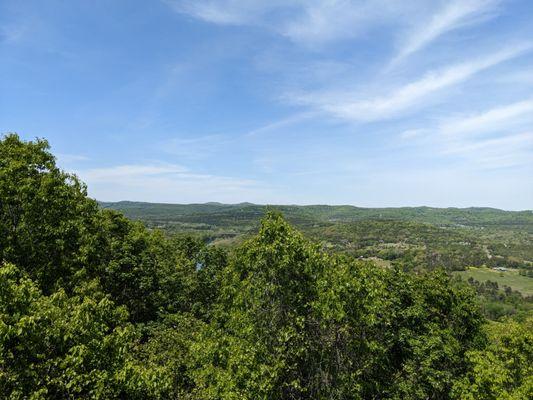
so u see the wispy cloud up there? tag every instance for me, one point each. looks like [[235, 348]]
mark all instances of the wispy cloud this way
[[71, 158], [455, 14], [196, 148], [522, 76], [309, 22], [225, 12], [14, 32], [409, 134], [486, 140], [502, 117], [315, 22], [169, 183], [320, 22], [500, 145], [501, 152], [349, 106], [126, 173], [279, 124]]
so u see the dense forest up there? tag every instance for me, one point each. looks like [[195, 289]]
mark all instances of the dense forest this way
[[452, 238], [473, 243], [361, 304]]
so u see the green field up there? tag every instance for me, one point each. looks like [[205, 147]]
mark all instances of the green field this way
[[508, 278]]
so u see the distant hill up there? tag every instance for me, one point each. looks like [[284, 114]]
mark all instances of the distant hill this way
[[421, 237], [218, 213]]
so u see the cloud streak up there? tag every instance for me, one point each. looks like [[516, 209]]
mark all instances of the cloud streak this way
[[316, 22], [169, 183], [496, 153], [307, 22], [486, 140], [495, 119], [126, 173], [282, 123], [455, 14], [403, 99]]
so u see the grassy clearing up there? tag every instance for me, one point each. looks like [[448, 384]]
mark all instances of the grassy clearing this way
[[509, 278]]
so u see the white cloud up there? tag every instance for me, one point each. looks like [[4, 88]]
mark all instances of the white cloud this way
[[453, 15], [226, 12], [487, 140], [520, 77], [13, 33], [495, 119], [319, 22], [169, 183], [71, 158], [130, 172], [309, 22], [282, 123], [409, 134], [346, 105], [501, 152], [196, 148], [315, 22]]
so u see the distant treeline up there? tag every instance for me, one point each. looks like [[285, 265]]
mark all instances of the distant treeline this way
[[473, 216], [416, 238]]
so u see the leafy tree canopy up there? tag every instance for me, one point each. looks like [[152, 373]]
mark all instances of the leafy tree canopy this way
[[96, 306]]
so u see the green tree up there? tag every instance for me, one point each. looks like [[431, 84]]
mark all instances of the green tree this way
[[293, 322], [58, 346], [503, 370], [141, 269], [168, 348], [387, 334], [101, 307], [46, 219], [259, 343], [50, 229], [437, 323]]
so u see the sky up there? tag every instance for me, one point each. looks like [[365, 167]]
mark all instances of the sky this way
[[374, 103]]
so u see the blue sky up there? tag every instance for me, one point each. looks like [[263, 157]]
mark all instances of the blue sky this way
[[370, 103]]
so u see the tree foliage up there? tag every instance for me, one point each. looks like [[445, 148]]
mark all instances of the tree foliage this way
[[95, 306], [45, 216], [61, 346], [503, 370], [297, 323]]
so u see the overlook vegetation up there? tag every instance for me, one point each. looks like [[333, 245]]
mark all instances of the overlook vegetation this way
[[470, 242], [453, 238], [210, 303]]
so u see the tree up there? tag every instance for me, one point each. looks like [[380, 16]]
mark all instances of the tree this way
[[293, 322], [437, 323], [141, 269], [50, 229], [258, 344], [58, 346], [503, 370], [46, 219], [101, 307]]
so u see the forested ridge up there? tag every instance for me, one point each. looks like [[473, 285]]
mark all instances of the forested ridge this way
[[94, 305], [450, 237], [473, 244]]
